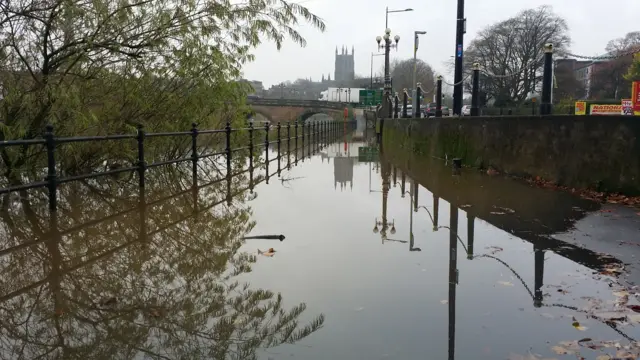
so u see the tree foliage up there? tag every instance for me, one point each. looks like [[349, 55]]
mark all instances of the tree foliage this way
[[510, 53], [402, 74], [634, 70], [567, 86], [610, 78], [103, 66]]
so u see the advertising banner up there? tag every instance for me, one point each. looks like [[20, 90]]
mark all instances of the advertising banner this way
[[635, 97], [605, 109], [581, 108], [627, 107]]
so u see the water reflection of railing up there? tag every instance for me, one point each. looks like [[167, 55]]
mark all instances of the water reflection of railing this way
[[314, 144], [68, 316]]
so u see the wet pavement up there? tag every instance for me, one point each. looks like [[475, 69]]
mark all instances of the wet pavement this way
[[386, 259]]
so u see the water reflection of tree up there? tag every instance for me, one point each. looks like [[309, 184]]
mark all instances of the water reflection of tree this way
[[108, 291]]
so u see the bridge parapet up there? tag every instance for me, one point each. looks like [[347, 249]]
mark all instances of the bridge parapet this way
[[297, 103]]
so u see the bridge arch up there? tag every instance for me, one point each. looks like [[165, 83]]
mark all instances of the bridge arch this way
[[309, 113]]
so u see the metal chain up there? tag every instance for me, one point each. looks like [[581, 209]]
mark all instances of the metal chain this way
[[604, 57], [499, 76], [458, 83]]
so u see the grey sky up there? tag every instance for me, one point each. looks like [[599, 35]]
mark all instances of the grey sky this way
[[592, 24]]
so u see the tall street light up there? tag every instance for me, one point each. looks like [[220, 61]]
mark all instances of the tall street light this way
[[415, 64], [372, 55], [386, 22], [387, 78], [461, 23]]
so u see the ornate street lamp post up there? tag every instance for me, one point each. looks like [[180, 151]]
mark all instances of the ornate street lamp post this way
[[386, 104]]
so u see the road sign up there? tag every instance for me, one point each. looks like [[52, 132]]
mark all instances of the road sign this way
[[370, 97], [367, 153]]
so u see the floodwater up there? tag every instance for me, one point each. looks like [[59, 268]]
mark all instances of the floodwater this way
[[374, 265]]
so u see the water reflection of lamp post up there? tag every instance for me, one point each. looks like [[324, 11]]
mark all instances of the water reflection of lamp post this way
[[453, 277], [436, 207], [471, 220], [385, 194], [412, 194], [538, 275]]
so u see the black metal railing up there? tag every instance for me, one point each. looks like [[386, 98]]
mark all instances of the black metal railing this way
[[317, 135]]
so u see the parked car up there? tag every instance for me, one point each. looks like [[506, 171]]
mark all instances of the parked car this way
[[430, 110], [466, 110]]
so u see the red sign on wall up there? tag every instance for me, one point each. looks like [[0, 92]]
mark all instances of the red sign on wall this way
[[635, 97]]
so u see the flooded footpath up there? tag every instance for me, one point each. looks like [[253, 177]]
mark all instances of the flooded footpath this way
[[348, 254]]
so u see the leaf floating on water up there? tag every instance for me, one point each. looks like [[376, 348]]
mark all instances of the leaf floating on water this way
[[635, 308], [269, 252], [529, 356], [505, 283], [622, 293], [561, 351], [444, 301]]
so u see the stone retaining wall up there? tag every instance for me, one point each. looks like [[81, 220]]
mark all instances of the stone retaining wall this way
[[597, 152]]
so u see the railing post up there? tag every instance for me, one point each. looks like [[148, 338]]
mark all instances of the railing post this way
[[194, 154], [227, 130], [309, 141], [302, 147], [289, 145], [251, 147], [266, 150], [52, 178], [418, 96], [142, 166], [296, 145], [279, 127], [314, 141]]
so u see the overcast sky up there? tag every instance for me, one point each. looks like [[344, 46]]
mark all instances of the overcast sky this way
[[592, 24]]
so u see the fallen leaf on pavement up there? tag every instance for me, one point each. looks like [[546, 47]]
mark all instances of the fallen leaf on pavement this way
[[494, 249]]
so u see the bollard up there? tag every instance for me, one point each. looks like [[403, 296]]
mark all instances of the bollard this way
[[396, 106], [194, 154], [475, 89], [439, 97], [418, 97], [52, 179], [141, 164], [547, 77], [405, 102]]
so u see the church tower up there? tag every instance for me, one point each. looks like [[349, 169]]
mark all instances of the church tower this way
[[344, 66]]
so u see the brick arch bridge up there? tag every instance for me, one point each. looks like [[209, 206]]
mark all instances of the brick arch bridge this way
[[285, 110]]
